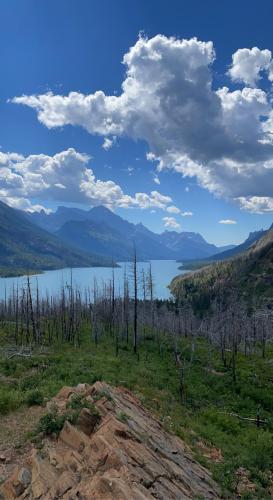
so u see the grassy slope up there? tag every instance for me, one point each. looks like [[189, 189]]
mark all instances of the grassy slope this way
[[250, 273], [210, 396], [25, 246]]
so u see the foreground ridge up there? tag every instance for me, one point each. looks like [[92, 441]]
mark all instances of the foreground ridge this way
[[117, 450]]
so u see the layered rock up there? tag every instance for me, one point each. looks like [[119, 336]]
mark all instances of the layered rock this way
[[118, 452]]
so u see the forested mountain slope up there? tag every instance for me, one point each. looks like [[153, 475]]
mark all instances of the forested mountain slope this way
[[25, 246], [231, 252], [249, 275]]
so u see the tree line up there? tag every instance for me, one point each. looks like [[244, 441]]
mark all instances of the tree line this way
[[129, 313]]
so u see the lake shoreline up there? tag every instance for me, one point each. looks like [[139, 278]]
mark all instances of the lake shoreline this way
[[18, 273], [51, 282]]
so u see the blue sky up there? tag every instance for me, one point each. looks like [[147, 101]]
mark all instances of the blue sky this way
[[63, 46]]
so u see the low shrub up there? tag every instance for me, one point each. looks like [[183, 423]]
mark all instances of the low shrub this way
[[122, 417], [9, 401], [78, 401], [34, 397], [53, 422]]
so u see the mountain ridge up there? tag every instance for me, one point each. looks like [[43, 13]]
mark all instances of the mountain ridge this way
[[24, 246], [76, 225], [252, 238]]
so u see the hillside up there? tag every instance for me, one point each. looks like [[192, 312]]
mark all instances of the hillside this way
[[249, 275], [231, 252], [217, 438], [24, 246], [101, 231], [117, 449]]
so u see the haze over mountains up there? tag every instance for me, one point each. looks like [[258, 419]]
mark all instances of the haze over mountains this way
[[228, 253], [103, 232], [73, 237], [25, 246], [231, 252]]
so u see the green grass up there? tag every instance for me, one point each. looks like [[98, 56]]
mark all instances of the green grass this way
[[210, 396]]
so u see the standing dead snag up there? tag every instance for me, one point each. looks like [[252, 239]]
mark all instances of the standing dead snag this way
[[93, 312], [180, 368], [135, 300], [38, 324], [16, 316], [126, 300], [143, 316], [151, 297], [112, 302]]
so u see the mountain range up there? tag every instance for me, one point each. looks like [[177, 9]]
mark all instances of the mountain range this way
[[105, 233], [25, 246], [72, 237]]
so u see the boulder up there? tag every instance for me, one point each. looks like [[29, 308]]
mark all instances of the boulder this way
[[87, 421]]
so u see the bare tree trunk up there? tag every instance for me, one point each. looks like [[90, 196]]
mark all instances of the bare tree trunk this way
[[135, 300], [31, 311]]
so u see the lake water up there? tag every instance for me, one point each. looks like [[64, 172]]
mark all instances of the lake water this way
[[50, 282]]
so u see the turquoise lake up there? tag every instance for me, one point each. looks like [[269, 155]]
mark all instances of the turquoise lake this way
[[50, 282]]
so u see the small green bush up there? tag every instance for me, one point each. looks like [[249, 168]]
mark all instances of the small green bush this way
[[29, 383], [103, 394], [122, 417], [52, 422], [34, 397], [78, 401]]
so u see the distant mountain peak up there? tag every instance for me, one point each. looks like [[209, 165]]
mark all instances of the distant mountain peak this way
[[26, 246], [102, 230], [102, 209]]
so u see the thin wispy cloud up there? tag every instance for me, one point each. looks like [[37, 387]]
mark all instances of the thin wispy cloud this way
[[227, 222], [187, 214]]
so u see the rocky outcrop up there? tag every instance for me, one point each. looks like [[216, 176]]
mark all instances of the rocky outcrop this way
[[116, 451]]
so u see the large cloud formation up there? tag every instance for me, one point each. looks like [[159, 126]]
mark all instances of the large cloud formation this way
[[65, 177], [221, 137]]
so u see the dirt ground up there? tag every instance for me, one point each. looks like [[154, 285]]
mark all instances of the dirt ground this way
[[14, 442]]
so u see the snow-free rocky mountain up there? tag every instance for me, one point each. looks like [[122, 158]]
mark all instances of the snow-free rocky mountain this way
[[25, 246], [102, 232]]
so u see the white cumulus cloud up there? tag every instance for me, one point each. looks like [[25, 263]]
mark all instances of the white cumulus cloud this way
[[247, 65], [221, 137], [257, 204], [171, 223], [108, 143], [65, 177]]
